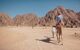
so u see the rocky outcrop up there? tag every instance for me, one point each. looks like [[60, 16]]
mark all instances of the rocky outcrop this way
[[70, 17], [5, 20], [78, 15], [26, 20]]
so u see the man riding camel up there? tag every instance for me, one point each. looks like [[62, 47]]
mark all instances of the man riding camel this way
[[59, 25]]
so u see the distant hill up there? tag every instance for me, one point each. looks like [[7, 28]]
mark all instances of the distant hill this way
[[71, 18], [5, 20], [26, 20]]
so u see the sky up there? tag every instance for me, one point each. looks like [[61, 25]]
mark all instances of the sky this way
[[38, 7]]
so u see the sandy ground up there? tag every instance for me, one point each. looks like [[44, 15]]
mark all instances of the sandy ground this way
[[26, 38]]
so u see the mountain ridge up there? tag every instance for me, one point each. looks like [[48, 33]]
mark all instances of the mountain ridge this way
[[70, 18]]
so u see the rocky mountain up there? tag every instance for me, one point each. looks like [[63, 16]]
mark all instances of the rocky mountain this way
[[70, 17], [5, 20], [78, 15], [26, 20]]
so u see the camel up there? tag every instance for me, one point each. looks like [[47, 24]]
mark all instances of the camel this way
[[59, 32], [59, 25]]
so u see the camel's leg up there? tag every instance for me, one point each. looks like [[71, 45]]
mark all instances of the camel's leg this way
[[61, 38], [57, 35], [53, 34], [61, 35]]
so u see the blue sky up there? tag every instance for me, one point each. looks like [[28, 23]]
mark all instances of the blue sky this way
[[38, 7]]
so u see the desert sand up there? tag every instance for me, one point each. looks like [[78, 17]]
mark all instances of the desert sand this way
[[28, 38]]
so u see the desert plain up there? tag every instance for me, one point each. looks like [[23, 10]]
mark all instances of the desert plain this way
[[28, 38]]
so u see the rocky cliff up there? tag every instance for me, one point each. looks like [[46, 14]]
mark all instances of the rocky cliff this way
[[5, 20], [70, 17]]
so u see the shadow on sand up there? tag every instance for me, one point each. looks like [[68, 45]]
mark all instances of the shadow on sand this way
[[47, 40]]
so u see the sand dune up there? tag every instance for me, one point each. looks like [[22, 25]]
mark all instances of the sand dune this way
[[25, 38]]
